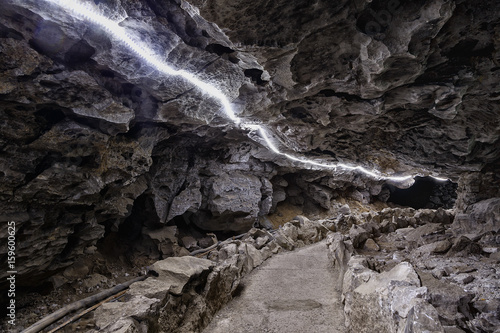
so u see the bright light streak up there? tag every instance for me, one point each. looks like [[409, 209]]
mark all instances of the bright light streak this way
[[372, 173], [87, 12], [440, 179]]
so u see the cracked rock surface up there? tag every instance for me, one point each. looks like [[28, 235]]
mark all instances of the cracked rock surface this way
[[101, 151]]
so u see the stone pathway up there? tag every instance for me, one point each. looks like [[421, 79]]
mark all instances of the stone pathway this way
[[290, 292]]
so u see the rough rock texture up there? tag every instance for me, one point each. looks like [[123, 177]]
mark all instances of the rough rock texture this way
[[95, 143], [457, 283], [401, 79], [383, 302], [188, 291], [480, 218]]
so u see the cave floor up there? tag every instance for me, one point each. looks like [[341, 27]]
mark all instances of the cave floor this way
[[291, 292]]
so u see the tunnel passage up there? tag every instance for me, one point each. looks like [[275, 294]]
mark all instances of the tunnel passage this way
[[426, 192]]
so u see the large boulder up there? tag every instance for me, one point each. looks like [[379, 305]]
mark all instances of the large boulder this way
[[392, 301], [234, 202], [478, 219]]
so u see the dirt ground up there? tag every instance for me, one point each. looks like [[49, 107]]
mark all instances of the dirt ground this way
[[103, 273]]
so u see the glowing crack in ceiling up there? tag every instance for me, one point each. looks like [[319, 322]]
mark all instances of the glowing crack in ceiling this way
[[87, 12]]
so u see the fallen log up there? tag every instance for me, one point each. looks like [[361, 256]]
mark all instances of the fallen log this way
[[53, 317]]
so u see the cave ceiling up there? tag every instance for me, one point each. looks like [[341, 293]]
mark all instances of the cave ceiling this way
[[405, 87]]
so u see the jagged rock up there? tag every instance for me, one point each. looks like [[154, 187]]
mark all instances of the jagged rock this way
[[235, 194], [465, 246], [384, 301], [436, 247], [270, 249], [290, 231], [189, 242], [371, 245], [339, 254], [425, 234], [179, 270], [463, 279], [451, 301], [164, 239], [345, 222], [261, 242], [476, 186], [125, 316], [254, 256], [358, 236], [228, 251], [479, 218], [356, 273], [388, 225], [423, 317], [308, 231], [283, 241], [189, 200], [258, 233]]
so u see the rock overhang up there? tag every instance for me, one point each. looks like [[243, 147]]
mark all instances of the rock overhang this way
[[360, 127]]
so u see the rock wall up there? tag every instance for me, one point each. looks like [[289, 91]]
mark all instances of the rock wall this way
[[476, 186], [188, 291], [421, 275], [95, 142], [394, 83]]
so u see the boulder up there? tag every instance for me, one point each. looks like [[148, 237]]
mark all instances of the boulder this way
[[233, 198], [253, 256], [163, 238], [358, 236], [422, 318], [339, 254], [189, 200], [478, 219], [464, 246], [388, 302], [425, 234], [122, 316], [428, 249], [371, 245], [173, 274], [450, 300]]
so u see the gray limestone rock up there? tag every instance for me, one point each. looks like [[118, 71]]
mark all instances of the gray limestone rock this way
[[95, 141], [189, 200], [479, 218], [125, 316], [179, 270], [358, 236], [423, 317], [451, 301], [236, 195], [384, 303], [371, 245]]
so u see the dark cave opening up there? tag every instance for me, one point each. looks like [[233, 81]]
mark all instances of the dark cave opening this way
[[143, 235], [426, 192]]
